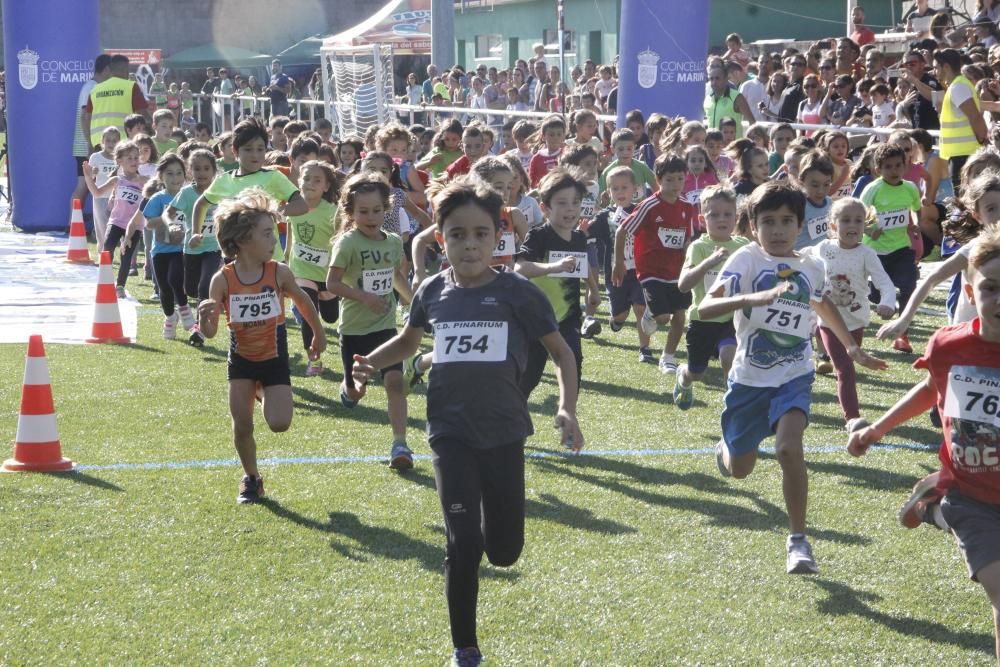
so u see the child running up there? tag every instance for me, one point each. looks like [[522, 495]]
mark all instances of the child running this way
[[963, 371], [662, 226], [251, 291], [366, 265], [849, 266], [708, 339], [771, 288], [554, 257], [484, 320], [311, 238]]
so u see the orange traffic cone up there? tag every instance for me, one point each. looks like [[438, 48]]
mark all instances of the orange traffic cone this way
[[107, 320], [78, 252], [36, 446]]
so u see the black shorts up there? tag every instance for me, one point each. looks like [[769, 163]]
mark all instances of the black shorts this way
[[629, 294], [664, 298], [270, 372], [364, 344], [704, 340], [80, 161]]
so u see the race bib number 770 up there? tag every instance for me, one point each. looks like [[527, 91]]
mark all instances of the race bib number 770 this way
[[470, 341]]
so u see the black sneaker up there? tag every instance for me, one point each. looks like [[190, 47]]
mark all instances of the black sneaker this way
[[616, 326], [251, 490]]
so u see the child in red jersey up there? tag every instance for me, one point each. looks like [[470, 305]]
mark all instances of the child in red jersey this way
[[251, 291], [963, 380], [663, 226]]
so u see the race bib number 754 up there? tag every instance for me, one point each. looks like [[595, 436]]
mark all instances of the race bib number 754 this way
[[470, 341]]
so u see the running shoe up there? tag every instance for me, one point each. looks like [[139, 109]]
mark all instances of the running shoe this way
[[648, 324], [120, 292], [720, 461], [412, 375], [197, 338], [856, 424], [314, 368], [667, 365], [591, 327], [170, 327], [133, 271], [616, 326], [155, 298], [800, 556], [824, 366], [401, 457], [251, 490], [466, 657], [646, 356], [683, 396], [346, 400], [187, 317], [925, 493], [902, 344]]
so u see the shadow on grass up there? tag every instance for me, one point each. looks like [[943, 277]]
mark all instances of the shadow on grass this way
[[765, 517], [863, 476], [313, 402], [86, 480], [145, 348], [843, 600], [547, 508]]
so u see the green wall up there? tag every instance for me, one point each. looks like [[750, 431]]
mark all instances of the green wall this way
[[753, 19]]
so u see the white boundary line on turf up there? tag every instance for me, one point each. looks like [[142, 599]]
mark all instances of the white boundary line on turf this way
[[544, 454]]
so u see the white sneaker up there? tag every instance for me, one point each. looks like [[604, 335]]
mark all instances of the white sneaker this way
[[187, 317], [647, 323], [800, 556], [668, 365], [170, 326], [590, 328]]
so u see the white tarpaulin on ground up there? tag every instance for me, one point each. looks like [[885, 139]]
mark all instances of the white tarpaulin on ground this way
[[41, 294]]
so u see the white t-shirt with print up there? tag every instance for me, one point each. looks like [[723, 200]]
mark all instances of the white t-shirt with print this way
[[847, 275], [773, 342]]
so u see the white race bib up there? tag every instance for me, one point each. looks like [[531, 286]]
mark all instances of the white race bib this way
[[973, 394], [818, 227], [672, 238], [311, 255], [894, 219], [629, 252], [579, 271], [506, 245], [784, 316], [377, 281], [693, 197], [245, 308], [470, 341]]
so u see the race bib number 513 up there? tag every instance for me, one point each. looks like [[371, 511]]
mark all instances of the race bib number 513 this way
[[377, 281], [470, 341]]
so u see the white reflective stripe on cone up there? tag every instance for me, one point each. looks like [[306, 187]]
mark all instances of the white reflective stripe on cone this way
[[78, 243], [106, 313], [105, 276], [36, 371], [37, 428]]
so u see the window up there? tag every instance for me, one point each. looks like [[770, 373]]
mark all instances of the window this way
[[489, 47], [551, 40]]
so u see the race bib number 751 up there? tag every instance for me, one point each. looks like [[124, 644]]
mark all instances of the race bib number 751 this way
[[784, 316], [470, 341]]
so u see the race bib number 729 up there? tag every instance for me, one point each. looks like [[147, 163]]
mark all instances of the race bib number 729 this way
[[470, 341]]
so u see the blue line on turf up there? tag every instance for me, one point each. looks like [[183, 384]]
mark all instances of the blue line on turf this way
[[611, 453]]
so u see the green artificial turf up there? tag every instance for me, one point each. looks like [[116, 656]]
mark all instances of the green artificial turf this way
[[630, 559]]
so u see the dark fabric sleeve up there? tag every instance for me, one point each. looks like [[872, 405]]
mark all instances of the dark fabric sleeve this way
[[418, 314], [533, 246]]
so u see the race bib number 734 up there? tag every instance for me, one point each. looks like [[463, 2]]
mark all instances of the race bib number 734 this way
[[470, 341]]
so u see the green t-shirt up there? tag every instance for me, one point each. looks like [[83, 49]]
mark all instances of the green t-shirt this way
[[892, 204], [226, 166], [231, 183], [310, 236], [184, 203], [643, 176], [696, 253], [166, 146], [441, 160], [369, 266]]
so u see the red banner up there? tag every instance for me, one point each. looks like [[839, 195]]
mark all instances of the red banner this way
[[137, 56]]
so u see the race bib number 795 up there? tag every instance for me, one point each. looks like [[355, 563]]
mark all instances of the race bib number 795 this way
[[244, 308], [470, 341]]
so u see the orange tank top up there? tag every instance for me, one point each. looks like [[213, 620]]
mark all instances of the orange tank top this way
[[506, 247], [254, 311]]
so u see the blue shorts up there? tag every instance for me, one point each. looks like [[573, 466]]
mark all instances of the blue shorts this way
[[751, 414], [628, 295]]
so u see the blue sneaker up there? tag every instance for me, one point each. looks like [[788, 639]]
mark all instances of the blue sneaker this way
[[401, 457], [348, 403], [466, 657], [683, 396]]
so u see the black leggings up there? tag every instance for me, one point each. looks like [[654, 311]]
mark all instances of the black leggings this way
[[482, 496], [902, 269], [112, 241], [329, 311], [198, 271], [538, 356], [169, 272]]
